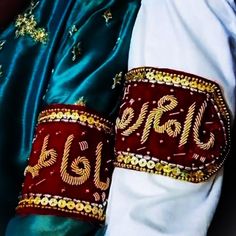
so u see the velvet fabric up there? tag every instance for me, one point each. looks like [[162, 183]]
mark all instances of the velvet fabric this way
[[182, 115], [85, 53]]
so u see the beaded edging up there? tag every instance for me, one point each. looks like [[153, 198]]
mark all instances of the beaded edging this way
[[47, 201], [180, 126], [75, 115]]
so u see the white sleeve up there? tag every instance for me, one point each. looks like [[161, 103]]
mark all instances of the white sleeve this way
[[190, 36]]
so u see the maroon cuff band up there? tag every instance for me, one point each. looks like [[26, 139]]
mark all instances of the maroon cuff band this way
[[172, 123], [70, 165]]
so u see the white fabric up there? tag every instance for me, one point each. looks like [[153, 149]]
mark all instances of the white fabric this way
[[191, 36]]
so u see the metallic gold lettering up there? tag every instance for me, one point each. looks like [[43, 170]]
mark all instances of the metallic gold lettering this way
[[126, 118], [47, 158], [210, 143], [187, 125], [98, 183], [83, 173], [171, 127], [139, 121]]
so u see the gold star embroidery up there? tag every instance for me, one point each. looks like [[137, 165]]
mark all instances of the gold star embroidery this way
[[76, 51], [72, 30], [107, 15], [117, 80], [81, 102], [26, 25]]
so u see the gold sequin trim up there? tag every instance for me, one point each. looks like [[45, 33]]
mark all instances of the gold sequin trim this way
[[26, 25], [107, 15], [154, 75], [70, 115], [153, 165], [50, 202]]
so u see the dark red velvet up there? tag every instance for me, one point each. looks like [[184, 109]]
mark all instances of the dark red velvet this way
[[49, 180], [161, 145]]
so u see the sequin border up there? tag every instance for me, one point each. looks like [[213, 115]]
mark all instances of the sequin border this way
[[153, 165], [46, 201], [72, 115], [179, 79]]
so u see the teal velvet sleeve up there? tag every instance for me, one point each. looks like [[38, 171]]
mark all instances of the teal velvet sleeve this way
[[83, 53]]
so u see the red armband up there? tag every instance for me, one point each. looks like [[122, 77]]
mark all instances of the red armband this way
[[172, 123], [70, 166]]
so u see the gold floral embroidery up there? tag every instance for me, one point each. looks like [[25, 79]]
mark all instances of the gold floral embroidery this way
[[72, 30], [117, 80], [107, 15], [26, 25], [81, 102], [76, 51]]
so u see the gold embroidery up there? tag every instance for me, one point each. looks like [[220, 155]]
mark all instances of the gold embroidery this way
[[76, 51], [126, 118], [187, 125], [166, 103], [117, 80], [197, 124], [26, 25], [83, 172], [98, 183], [83, 145], [140, 163], [73, 30], [58, 203], [96, 197], [71, 115], [155, 76], [139, 121], [107, 15], [81, 102], [47, 158]]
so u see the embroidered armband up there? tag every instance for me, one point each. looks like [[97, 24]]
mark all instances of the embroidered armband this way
[[70, 165], [172, 123]]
